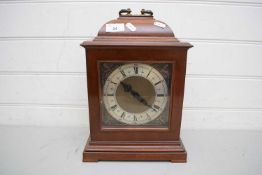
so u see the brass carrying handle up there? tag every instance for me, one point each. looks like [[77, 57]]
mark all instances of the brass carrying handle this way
[[127, 12], [148, 12]]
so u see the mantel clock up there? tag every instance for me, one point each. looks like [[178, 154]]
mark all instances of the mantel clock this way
[[135, 73]]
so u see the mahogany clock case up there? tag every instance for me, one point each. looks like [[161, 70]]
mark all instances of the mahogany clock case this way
[[135, 142]]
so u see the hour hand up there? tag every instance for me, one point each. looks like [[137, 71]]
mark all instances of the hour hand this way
[[136, 95], [127, 87]]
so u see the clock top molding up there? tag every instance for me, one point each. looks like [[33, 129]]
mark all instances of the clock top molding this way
[[148, 32]]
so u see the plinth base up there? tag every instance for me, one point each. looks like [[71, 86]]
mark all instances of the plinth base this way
[[173, 151]]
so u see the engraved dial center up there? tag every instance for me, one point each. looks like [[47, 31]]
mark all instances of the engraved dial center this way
[[139, 98]]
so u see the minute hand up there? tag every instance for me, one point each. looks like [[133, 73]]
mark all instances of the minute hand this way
[[136, 95]]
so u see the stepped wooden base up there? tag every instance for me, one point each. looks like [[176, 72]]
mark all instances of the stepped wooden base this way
[[172, 151]]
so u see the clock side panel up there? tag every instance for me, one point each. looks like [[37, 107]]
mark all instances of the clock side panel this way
[[174, 56], [93, 93]]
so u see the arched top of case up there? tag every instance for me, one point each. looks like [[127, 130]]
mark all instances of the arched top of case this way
[[135, 30], [144, 26]]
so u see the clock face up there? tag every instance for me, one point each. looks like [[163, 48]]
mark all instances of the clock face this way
[[135, 94]]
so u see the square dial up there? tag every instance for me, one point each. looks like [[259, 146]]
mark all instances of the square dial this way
[[136, 94]]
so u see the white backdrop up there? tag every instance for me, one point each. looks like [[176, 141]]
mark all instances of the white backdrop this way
[[42, 66]]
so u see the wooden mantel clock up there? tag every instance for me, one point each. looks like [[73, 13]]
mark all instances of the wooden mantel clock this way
[[136, 73]]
